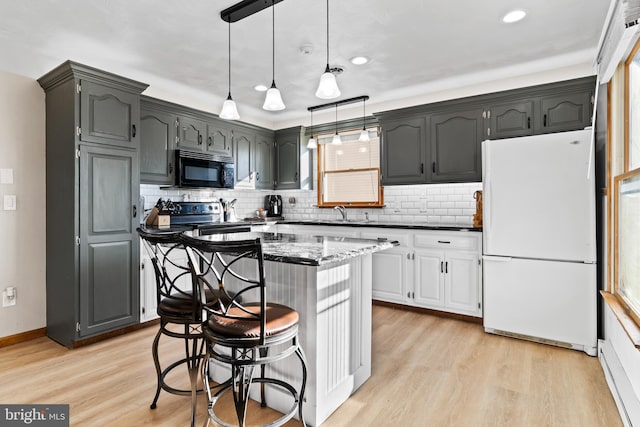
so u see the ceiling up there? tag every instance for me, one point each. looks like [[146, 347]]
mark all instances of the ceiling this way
[[180, 48]]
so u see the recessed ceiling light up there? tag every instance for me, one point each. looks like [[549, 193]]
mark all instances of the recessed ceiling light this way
[[260, 88], [514, 16], [359, 60]]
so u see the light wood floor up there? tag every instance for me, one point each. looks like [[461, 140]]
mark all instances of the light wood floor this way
[[427, 371]]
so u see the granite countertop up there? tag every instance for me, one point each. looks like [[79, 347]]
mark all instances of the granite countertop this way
[[386, 224], [305, 249]]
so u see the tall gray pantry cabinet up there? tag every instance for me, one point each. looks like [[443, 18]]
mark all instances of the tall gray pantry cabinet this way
[[92, 193]]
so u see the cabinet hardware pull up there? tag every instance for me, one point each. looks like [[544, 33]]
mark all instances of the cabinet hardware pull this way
[[135, 211], [444, 241], [441, 267], [544, 120], [408, 256], [133, 133], [170, 168], [257, 176], [200, 139], [446, 267], [528, 122], [433, 167], [421, 168], [209, 141], [295, 177]]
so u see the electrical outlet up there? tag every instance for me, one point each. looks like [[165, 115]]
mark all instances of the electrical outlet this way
[[9, 297], [9, 202], [423, 205]]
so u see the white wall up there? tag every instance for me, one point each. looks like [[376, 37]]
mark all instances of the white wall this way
[[22, 241]]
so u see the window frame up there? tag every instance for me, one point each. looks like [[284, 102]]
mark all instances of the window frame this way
[[346, 204]]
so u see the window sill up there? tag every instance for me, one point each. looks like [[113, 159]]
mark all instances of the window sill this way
[[621, 312]]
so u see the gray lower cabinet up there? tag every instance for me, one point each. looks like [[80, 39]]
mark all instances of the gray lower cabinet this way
[[92, 186], [287, 161], [157, 138], [404, 151], [108, 242], [455, 144]]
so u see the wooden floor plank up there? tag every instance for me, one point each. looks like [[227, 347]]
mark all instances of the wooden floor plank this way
[[427, 371]]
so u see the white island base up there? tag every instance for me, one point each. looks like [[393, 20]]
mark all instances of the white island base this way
[[334, 303]]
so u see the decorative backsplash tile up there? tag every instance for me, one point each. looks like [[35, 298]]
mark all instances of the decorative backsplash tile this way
[[432, 203]]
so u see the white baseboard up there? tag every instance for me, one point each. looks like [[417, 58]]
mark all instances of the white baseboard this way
[[619, 384]]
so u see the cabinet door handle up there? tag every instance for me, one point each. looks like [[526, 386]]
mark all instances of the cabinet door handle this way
[[446, 267], [133, 131], [433, 167], [209, 141], [528, 122], [200, 139], [295, 177], [544, 120], [135, 211], [421, 168], [170, 168], [257, 176], [444, 241], [441, 267]]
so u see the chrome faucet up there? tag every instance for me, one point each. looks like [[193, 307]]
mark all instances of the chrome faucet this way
[[343, 212]]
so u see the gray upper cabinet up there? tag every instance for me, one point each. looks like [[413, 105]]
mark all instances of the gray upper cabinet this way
[[563, 112], [264, 161], [455, 143], [157, 137], [244, 145], [191, 133], [219, 140], [92, 185], [108, 115], [109, 244], [404, 154], [288, 161], [510, 119], [441, 142]]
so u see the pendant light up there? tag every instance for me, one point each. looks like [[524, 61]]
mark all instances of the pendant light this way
[[312, 144], [336, 138], [273, 100], [328, 87], [229, 109], [364, 134]]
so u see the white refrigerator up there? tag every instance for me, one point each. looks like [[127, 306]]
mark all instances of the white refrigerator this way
[[539, 239]]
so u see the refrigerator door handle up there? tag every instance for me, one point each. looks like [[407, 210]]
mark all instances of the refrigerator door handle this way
[[496, 258], [486, 188]]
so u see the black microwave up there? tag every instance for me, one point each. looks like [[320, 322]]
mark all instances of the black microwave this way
[[203, 170]]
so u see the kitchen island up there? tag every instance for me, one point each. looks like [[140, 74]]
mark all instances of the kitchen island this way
[[328, 281]]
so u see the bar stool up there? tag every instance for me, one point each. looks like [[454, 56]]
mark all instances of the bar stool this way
[[179, 310], [244, 335]]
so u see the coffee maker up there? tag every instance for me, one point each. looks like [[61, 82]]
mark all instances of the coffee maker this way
[[273, 205]]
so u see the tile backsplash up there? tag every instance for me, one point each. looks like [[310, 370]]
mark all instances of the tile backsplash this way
[[432, 203]]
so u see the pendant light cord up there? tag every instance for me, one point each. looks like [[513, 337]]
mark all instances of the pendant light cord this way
[[229, 57], [327, 33], [336, 118], [273, 41], [364, 120]]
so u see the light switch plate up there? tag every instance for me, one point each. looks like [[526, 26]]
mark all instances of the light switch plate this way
[[9, 202], [6, 176]]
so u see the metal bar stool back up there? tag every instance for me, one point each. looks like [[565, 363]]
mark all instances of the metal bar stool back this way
[[179, 309], [243, 330]]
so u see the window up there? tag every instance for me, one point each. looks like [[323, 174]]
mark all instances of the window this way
[[632, 146], [349, 174]]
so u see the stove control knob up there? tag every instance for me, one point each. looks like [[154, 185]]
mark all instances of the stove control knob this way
[[195, 208], [210, 207]]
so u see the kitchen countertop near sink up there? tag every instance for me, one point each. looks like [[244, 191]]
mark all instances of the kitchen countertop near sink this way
[[385, 224]]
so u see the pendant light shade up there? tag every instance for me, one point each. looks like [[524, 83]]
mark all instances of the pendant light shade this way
[[328, 87], [364, 134], [273, 99], [229, 109], [312, 144]]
